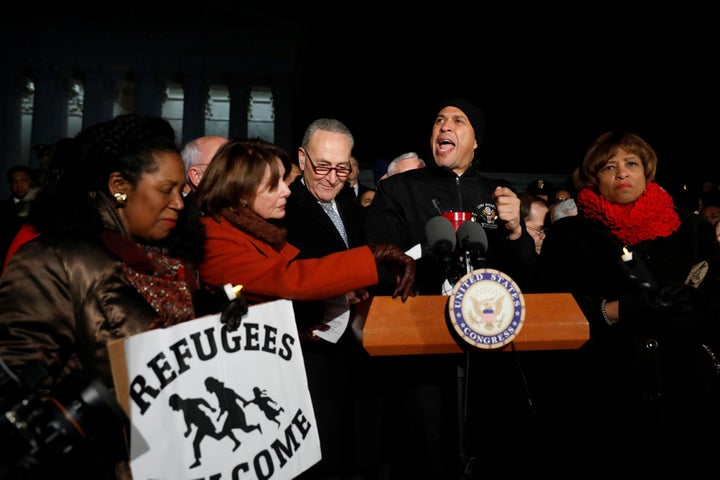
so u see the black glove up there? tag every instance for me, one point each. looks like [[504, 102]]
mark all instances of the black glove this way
[[661, 308], [231, 305], [637, 274], [233, 312], [401, 265]]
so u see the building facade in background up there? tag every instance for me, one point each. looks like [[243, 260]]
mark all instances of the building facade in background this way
[[234, 73]]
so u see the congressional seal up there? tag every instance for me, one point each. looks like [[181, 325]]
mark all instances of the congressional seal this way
[[487, 309]]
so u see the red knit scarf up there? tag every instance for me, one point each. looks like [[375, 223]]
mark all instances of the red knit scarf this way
[[651, 216]]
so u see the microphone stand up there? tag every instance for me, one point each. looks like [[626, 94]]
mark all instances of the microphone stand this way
[[466, 462]]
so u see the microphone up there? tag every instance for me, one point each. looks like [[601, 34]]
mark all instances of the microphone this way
[[441, 240], [473, 242], [440, 236]]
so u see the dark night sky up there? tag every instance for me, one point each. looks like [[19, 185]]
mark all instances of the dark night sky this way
[[549, 78], [548, 81]]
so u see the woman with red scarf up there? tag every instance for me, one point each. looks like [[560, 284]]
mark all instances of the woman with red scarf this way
[[645, 388]]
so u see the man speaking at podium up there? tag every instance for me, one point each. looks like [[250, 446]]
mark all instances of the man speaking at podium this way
[[405, 203], [400, 212]]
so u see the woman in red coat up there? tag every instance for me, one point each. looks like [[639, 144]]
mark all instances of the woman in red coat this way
[[241, 194]]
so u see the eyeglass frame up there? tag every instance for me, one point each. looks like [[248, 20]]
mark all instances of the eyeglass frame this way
[[329, 169]]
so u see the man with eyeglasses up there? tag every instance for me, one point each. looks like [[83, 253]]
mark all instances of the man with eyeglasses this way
[[534, 211], [334, 370]]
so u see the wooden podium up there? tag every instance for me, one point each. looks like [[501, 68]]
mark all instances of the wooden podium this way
[[553, 321]]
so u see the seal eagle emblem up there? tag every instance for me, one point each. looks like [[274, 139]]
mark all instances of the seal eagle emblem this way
[[487, 309]]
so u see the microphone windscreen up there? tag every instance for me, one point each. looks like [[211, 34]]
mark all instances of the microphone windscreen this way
[[472, 233], [439, 231]]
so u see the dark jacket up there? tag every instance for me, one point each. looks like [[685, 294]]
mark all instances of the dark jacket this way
[[62, 300], [310, 229], [405, 202], [335, 371], [349, 191], [649, 383]]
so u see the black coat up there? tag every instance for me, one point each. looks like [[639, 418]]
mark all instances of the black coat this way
[[348, 190], [334, 370], [647, 387], [314, 234], [405, 202]]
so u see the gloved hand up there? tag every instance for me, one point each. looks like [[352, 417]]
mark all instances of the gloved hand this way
[[637, 274], [226, 300], [233, 312], [401, 265], [665, 307]]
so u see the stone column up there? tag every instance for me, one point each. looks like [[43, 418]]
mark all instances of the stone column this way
[[282, 90], [239, 89], [50, 109], [195, 90], [100, 92], [11, 90], [150, 90]]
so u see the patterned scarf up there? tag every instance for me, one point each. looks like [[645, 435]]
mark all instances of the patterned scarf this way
[[163, 280], [651, 216]]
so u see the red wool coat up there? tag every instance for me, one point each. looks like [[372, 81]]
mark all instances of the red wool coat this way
[[233, 256]]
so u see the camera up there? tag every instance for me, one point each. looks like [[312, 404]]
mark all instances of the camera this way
[[78, 427]]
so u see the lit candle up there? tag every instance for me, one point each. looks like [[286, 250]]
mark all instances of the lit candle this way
[[231, 291], [627, 255]]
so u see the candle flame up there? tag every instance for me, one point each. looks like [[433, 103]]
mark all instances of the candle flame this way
[[625, 251]]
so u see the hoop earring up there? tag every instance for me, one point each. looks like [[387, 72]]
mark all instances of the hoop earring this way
[[120, 199]]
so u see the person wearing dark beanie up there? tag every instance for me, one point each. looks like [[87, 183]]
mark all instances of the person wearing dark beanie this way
[[474, 114], [422, 387], [453, 182]]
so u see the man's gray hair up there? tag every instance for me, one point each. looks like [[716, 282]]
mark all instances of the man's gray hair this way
[[329, 125], [392, 166], [190, 156]]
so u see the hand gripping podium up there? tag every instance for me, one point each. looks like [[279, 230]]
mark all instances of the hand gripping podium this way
[[553, 321]]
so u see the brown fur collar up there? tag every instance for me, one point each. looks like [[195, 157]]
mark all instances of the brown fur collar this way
[[248, 221]]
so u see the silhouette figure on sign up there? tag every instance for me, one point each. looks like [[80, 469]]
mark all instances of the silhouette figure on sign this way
[[228, 402], [266, 405], [194, 414]]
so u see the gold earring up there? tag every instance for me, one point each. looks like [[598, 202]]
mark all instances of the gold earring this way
[[120, 199]]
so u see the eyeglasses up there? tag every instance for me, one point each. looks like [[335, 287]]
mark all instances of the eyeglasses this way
[[341, 172]]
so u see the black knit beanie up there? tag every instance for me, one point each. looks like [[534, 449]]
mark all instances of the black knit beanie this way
[[474, 114]]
